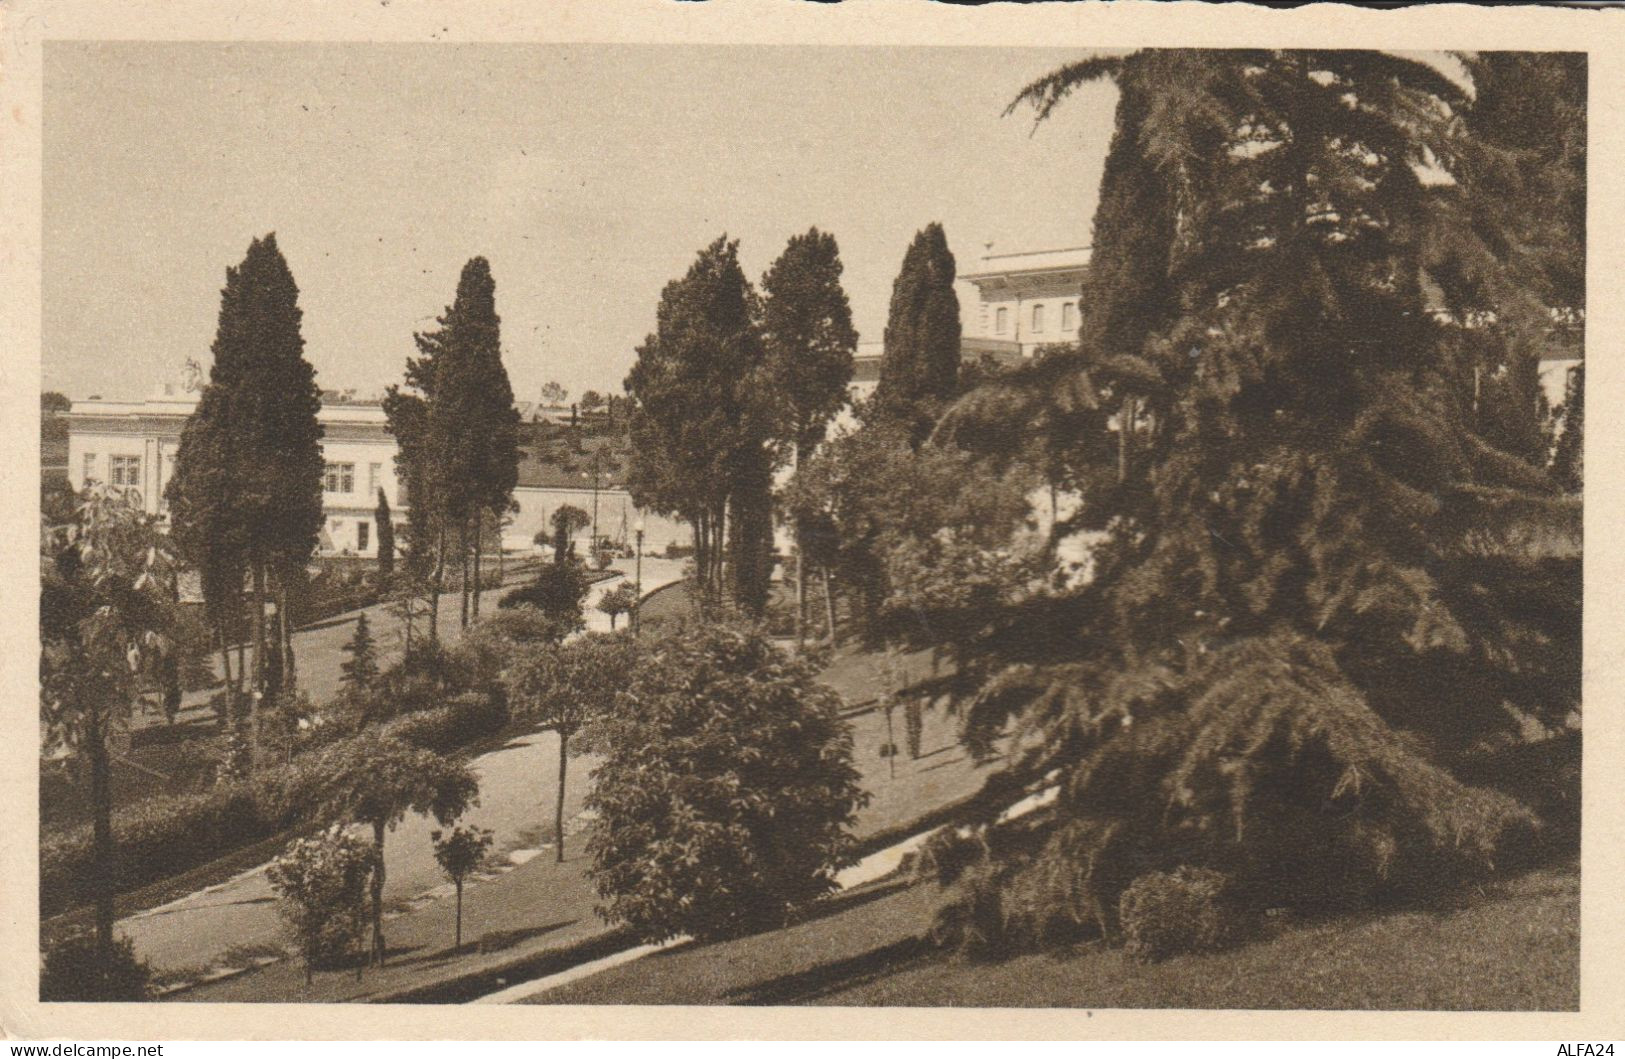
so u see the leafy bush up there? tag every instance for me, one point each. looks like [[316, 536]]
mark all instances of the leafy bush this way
[[472, 715], [557, 592], [322, 882], [488, 648], [947, 853], [1167, 913], [727, 791], [75, 970]]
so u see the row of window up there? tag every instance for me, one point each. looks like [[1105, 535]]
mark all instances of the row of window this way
[[122, 471], [125, 471], [340, 478], [1069, 319]]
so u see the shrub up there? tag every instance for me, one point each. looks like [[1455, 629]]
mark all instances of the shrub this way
[[948, 853], [488, 648], [470, 716], [557, 592], [322, 882], [727, 791], [1167, 913], [75, 970]]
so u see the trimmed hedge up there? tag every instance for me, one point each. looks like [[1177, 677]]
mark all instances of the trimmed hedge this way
[[167, 835]]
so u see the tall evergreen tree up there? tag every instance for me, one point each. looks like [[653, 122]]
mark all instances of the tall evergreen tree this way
[[464, 453], [808, 334], [386, 537], [495, 423], [249, 488], [920, 363], [698, 419], [205, 523], [1286, 653]]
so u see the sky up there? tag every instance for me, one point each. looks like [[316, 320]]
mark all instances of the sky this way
[[589, 176]]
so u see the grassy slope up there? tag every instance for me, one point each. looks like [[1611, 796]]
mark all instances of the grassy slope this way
[[545, 905], [1513, 947]]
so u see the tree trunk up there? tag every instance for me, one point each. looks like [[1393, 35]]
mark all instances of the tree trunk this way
[[223, 716], [434, 587], [462, 573], [101, 806], [458, 944], [378, 892], [801, 567], [479, 549], [257, 681], [829, 605], [290, 679], [558, 810]]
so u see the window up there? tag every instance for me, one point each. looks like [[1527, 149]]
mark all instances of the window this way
[[1069, 316], [1038, 318], [124, 471], [363, 530], [90, 467], [1001, 321], [373, 474], [340, 478]]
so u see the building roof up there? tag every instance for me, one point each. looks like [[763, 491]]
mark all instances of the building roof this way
[[1029, 262]]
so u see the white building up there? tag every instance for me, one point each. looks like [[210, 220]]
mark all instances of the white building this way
[[132, 444]]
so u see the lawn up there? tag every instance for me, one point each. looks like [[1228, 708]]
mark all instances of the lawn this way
[[1514, 946]]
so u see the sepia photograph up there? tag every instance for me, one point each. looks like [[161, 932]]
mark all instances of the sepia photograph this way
[[844, 525]]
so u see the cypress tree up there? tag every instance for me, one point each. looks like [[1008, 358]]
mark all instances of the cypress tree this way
[[809, 338], [698, 415], [919, 367], [495, 422], [251, 478], [386, 537]]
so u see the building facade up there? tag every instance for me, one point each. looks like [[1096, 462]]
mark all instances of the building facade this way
[[132, 445]]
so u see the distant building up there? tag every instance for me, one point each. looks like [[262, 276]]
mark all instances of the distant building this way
[[132, 444]]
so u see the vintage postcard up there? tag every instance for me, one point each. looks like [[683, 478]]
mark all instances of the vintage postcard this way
[[780, 520]]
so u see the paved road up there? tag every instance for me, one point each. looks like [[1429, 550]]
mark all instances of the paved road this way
[[517, 786]]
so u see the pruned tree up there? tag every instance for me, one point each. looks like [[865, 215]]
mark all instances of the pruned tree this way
[[564, 687], [385, 520], [459, 853], [567, 521], [727, 792], [622, 599], [322, 882]]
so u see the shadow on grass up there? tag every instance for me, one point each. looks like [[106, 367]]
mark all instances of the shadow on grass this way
[[832, 977]]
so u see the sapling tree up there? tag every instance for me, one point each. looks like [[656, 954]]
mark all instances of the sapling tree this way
[[565, 688], [619, 600], [458, 854]]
